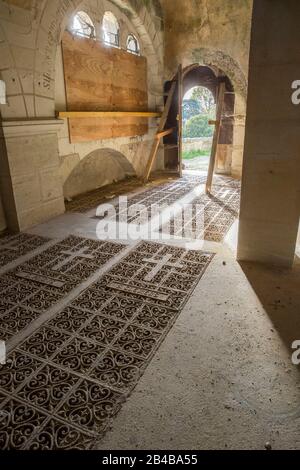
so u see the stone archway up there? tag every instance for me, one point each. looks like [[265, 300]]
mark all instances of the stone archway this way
[[217, 58], [208, 77], [214, 58]]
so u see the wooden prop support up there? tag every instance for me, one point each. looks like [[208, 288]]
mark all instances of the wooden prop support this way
[[162, 134], [212, 162], [160, 131]]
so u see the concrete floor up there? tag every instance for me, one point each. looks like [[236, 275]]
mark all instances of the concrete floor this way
[[223, 378]]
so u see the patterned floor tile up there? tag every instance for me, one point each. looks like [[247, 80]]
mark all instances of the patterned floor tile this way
[[154, 317], [78, 355], [118, 370], [138, 341], [18, 422], [92, 299], [140, 206], [14, 246], [57, 435], [101, 329], [47, 388], [5, 335], [17, 370], [122, 308], [40, 283], [45, 342], [211, 216], [70, 319], [90, 407], [68, 378]]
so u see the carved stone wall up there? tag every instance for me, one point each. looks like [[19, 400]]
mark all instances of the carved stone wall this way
[[30, 34]]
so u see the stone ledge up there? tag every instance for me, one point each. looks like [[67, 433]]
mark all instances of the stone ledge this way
[[25, 127]]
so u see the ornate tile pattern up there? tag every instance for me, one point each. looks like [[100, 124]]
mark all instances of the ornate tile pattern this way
[[13, 247], [92, 200], [162, 196], [88, 201], [38, 284], [67, 380], [211, 216]]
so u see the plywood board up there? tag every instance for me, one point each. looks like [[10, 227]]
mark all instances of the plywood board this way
[[101, 78]]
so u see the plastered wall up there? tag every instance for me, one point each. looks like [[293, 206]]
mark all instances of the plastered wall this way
[[30, 35], [135, 149]]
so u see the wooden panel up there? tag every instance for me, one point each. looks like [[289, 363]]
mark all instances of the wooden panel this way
[[89, 129], [101, 78]]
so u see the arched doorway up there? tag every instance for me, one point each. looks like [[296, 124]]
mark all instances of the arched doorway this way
[[209, 78], [198, 109]]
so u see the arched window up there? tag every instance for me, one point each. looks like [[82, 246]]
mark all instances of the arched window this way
[[111, 30], [83, 25], [133, 45]]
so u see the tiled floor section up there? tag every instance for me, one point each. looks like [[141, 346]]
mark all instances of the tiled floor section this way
[[38, 284], [211, 216], [83, 203], [163, 195], [14, 246], [63, 384]]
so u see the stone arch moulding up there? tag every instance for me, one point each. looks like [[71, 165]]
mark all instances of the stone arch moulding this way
[[53, 22], [216, 58], [97, 169]]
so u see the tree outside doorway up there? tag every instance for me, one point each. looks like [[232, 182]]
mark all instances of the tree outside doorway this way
[[198, 109]]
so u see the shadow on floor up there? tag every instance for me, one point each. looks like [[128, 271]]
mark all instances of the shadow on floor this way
[[279, 293]]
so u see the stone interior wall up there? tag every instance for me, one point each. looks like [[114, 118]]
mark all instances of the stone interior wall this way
[[135, 149], [215, 33], [30, 34]]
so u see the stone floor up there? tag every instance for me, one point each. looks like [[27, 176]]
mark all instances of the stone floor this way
[[116, 344]]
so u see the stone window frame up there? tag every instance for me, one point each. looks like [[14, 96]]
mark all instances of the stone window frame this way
[[114, 38], [137, 50], [88, 21]]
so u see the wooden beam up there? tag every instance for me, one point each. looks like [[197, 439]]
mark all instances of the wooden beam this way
[[106, 114], [166, 111], [162, 134], [161, 127], [151, 160], [212, 163]]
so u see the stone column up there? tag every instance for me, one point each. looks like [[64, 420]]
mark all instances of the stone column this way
[[271, 185], [29, 172]]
